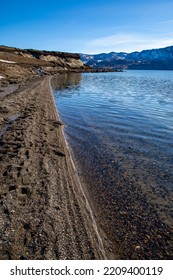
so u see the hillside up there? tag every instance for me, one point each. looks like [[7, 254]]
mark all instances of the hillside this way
[[18, 64], [156, 59]]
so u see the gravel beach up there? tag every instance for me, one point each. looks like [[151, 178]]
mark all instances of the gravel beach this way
[[44, 213]]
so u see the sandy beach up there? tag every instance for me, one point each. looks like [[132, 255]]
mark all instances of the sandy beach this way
[[44, 213]]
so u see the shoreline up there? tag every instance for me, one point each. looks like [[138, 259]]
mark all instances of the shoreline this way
[[88, 207], [44, 211]]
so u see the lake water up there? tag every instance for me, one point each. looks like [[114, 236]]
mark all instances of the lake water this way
[[119, 127]]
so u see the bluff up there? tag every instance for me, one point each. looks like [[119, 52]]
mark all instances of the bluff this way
[[18, 64]]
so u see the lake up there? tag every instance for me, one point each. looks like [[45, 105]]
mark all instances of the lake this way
[[119, 127]]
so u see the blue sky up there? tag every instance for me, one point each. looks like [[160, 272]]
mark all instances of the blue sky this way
[[87, 26]]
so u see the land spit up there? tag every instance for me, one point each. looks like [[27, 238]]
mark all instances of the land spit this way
[[44, 213]]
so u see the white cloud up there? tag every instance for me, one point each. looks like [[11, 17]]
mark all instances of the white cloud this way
[[127, 42]]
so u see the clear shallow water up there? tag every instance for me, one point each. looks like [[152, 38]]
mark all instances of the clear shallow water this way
[[120, 129]]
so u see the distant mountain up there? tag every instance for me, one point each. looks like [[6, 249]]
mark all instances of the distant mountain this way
[[156, 59]]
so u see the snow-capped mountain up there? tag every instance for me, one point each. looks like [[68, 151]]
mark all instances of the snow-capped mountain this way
[[147, 59]]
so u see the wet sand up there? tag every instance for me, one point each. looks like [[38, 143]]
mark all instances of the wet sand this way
[[44, 213]]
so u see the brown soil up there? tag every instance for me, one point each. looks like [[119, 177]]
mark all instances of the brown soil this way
[[44, 213]]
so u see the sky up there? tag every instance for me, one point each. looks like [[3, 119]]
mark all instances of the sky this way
[[87, 26]]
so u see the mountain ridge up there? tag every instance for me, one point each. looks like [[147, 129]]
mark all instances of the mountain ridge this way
[[156, 59]]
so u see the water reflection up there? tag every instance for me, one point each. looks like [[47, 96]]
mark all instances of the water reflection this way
[[62, 81]]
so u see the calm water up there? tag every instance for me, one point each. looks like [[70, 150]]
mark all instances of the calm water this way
[[120, 129]]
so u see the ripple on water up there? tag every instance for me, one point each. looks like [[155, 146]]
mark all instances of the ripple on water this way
[[119, 127]]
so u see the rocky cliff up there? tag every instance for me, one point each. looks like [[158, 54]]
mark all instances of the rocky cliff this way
[[18, 64]]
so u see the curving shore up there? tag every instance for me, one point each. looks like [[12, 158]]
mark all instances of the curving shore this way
[[44, 213]]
